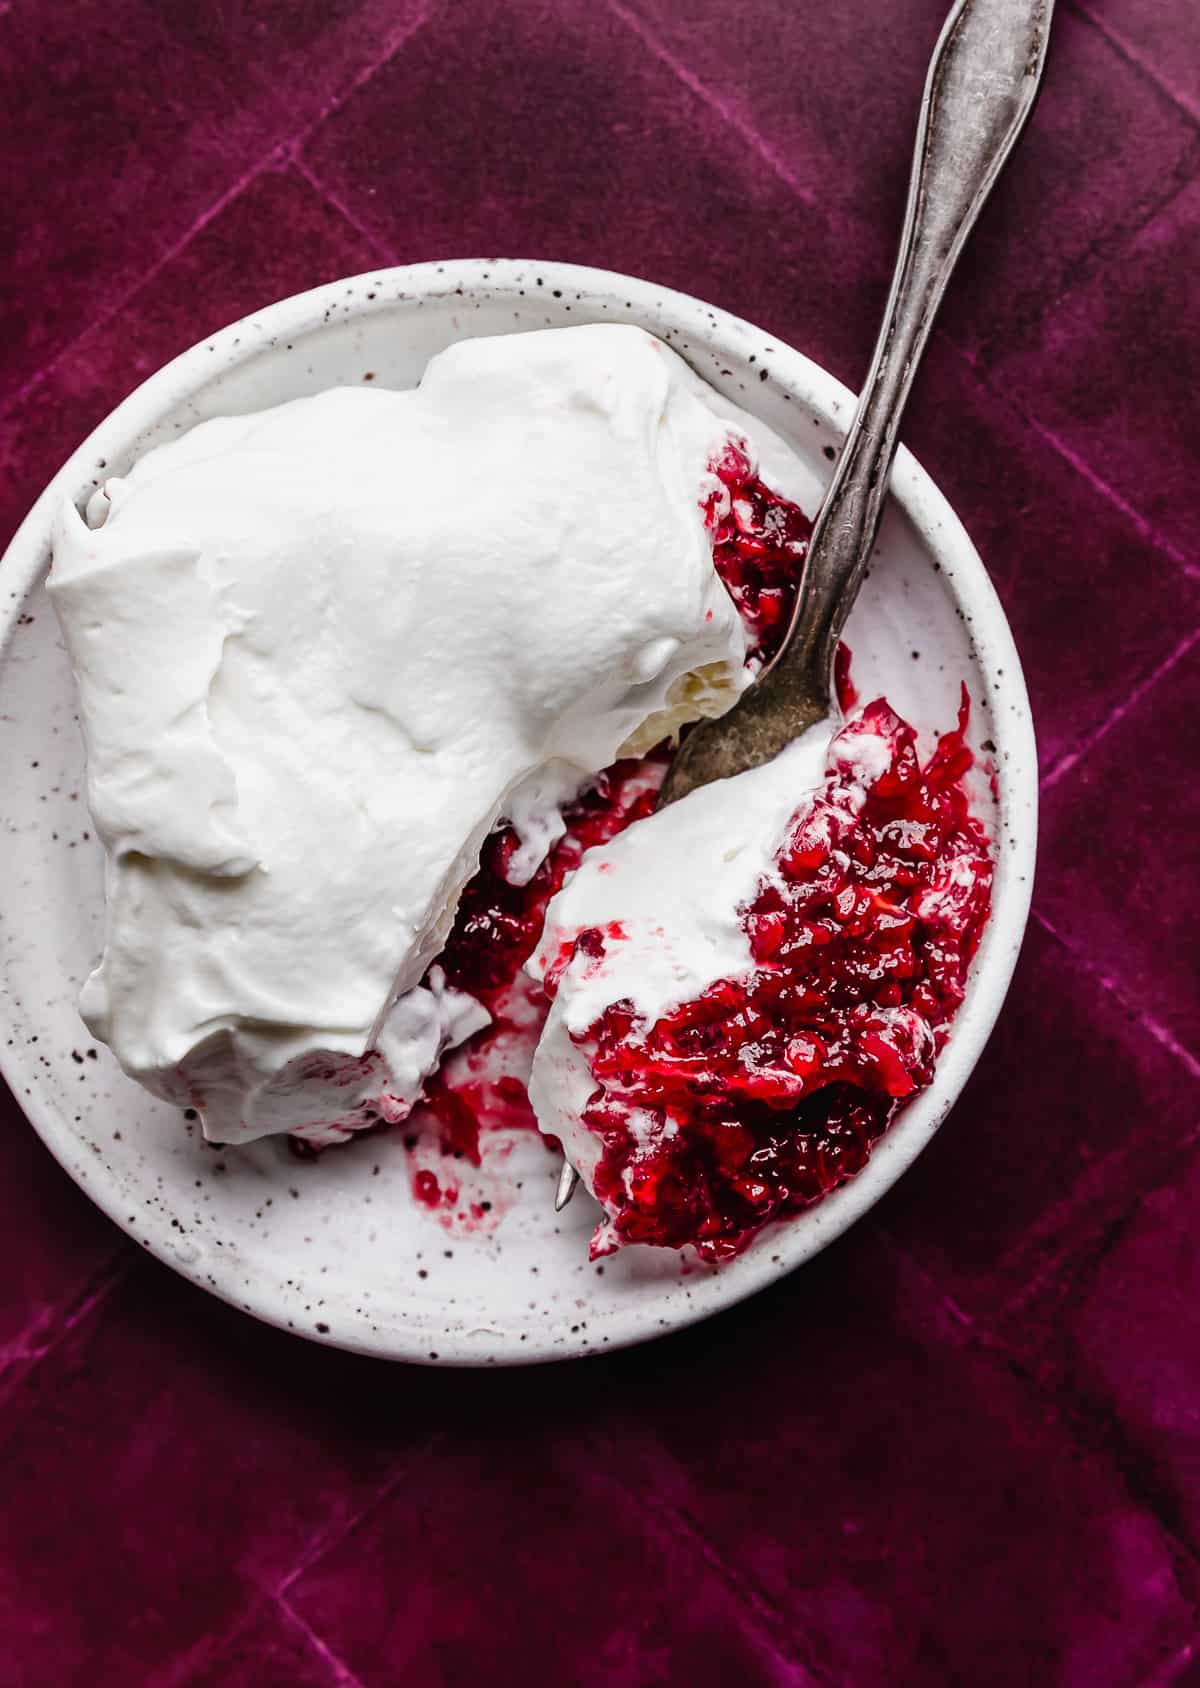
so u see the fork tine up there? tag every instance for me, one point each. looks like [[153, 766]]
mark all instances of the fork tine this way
[[568, 1178]]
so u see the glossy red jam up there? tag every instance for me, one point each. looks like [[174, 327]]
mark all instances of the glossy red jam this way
[[760, 540], [769, 1090], [495, 931]]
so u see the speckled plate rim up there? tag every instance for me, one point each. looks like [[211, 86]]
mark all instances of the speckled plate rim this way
[[673, 315]]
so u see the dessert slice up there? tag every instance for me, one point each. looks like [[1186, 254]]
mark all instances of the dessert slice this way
[[747, 985], [322, 650]]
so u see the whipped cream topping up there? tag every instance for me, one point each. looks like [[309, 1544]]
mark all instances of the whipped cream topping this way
[[667, 896], [322, 648]]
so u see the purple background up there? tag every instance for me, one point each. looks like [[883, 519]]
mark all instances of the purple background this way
[[964, 1445]]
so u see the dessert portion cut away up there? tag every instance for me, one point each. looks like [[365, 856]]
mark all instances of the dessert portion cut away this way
[[747, 985], [378, 689]]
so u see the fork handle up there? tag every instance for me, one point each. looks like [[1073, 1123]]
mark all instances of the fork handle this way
[[982, 82]]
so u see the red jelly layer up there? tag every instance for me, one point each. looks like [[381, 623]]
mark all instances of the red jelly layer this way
[[495, 931], [769, 1090], [760, 540]]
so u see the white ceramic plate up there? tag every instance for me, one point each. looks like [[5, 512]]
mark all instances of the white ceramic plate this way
[[338, 1250]]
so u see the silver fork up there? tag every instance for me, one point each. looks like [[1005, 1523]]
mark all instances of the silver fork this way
[[979, 91]]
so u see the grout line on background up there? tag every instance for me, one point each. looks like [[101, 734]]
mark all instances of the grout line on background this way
[[1047, 1238], [702, 91], [331, 1534], [1059, 446], [1071, 758], [1089, 1425], [1145, 214], [280, 152], [1085, 267], [342, 1675], [735, 120], [22, 1357], [1172, 1669], [958, 1315], [1182, 102], [1156, 1030], [335, 203], [392, 45], [1080, 464], [772, 1626], [275, 1597], [196, 227]]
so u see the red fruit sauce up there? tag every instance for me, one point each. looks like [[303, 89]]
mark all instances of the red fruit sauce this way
[[495, 932], [760, 541], [779, 1083], [773, 1087]]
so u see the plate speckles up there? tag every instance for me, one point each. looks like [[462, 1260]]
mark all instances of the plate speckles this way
[[336, 1250]]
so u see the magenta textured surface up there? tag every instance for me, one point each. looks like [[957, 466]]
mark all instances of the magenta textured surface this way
[[964, 1445]]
